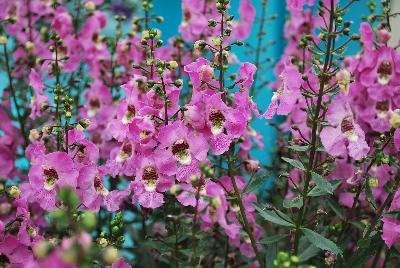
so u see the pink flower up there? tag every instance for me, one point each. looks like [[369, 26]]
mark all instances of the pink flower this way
[[391, 231], [344, 136], [153, 177], [94, 193], [199, 72], [39, 100], [120, 263], [247, 14], [56, 171], [216, 210], [380, 73], [287, 94], [182, 143], [296, 5]]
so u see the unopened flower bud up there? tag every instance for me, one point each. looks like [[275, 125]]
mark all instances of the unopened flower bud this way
[[373, 182], [34, 135], [175, 189], [42, 249], [178, 83], [88, 220], [200, 44], [395, 119], [145, 35], [90, 6], [217, 41], [83, 124], [111, 254], [343, 78], [29, 46], [172, 65], [47, 129], [384, 36], [102, 242], [3, 40], [13, 191]]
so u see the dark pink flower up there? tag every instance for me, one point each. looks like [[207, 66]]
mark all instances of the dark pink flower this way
[[344, 136], [56, 171]]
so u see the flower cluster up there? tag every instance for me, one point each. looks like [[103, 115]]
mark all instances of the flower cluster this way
[[120, 150]]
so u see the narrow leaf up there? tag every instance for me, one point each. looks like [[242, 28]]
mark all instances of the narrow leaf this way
[[321, 242], [293, 162], [296, 202], [256, 182], [272, 239], [273, 217]]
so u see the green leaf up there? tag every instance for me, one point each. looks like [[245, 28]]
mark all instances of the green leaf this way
[[255, 183], [332, 204], [298, 148], [364, 243], [370, 196], [295, 163], [272, 239], [323, 186], [271, 216], [296, 202], [321, 242], [308, 253]]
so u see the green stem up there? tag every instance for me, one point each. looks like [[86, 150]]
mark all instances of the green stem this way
[[324, 79], [14, 97], [260, 35], [245, 223]]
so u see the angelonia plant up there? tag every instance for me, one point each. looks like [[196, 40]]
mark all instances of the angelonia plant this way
[[119, 150]]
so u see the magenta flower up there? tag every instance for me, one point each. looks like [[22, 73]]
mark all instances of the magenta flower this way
[[216, 210], [391, 231], [39, 100], [153, 177], [380, 73], [56, 171], [94, 193], [247, 14], [287, 94], [344, 136], [199, 72], [182, 144]]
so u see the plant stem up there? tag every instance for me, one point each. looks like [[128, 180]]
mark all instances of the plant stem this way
[[260, 35], [324, 79], [379, 214], [245, 222], [14, 97]]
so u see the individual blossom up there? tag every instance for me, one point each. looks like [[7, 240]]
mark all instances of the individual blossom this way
[[216, 210], [344, 136], [183, 144], [285, 97], [57, 170], [95, 194], [391, 231], [40, 100], [153, 177], [380, 73]]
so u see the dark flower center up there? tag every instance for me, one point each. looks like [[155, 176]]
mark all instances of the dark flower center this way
[[385, 68], [216, 117], [51, 177], [131, 109], [347, 124], [127, 149], [94, 103], [150, 174], [99, 186], [382, 106], [179, 147]]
